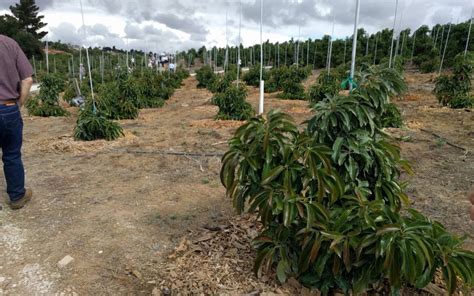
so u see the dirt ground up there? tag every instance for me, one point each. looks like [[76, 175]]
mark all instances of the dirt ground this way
[[121, 208]]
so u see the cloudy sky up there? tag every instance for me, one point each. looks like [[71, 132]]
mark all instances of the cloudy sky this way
[[181, 24]]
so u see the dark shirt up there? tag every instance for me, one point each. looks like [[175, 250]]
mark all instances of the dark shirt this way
[[14, 67]]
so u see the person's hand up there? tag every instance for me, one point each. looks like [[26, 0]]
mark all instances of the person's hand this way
[[471, 199]]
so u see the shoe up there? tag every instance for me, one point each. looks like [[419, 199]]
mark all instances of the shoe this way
[[16, 205]]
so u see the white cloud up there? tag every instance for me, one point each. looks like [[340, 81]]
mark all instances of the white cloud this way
[[180, 24]]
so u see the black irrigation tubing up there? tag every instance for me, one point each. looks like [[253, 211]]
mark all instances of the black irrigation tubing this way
[[443, 138], [177, 153]]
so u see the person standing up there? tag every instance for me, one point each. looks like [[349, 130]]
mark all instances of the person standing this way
[[15, 84]]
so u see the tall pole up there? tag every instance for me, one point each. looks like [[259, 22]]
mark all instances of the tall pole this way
[[34, 67], [240, 42], [413, 48], [315, 52], [72, 64], [307, 54], [403, 43], [278, 50], [468, 34], [436, 37], [330, 47], [262, 83], [226, 63], [345, 49], [393, 34], [441, 40], [298, 47], [354, 41], [87, 56], [47, 57], [367, 46], [444, 51], [376, 45]]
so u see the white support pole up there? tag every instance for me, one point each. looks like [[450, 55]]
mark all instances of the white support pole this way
[[436, 38], [278, 54], [262, 83], [47, 56], [102, 66], [367, 46], [345, 49], [444, 51], [298, 47], [34, 67], [376, 45], [72, 64], [413, 48], [87, 55], [468, 34], [240, 42], [393, 34], [354, 41], [127, 56], [226, 62], [307, 54], [441, 40], [315, 52], [403, 43], [330, 47]]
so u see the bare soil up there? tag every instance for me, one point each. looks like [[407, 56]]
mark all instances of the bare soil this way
[[124, 209]]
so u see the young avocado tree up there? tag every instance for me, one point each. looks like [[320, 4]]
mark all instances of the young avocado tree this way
[[46, 104], [334, 213], [455, 90], [232, 104]]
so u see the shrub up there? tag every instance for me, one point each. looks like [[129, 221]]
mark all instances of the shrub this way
[[392, 116], [205, 77], [151, 89], [221, 84], [91, 125], [461, 102], [330, 200], [278, 78], [327, 85], [232, 104], [47, 102], [457, 86], [118, 100], [252, 77], [292, 90]]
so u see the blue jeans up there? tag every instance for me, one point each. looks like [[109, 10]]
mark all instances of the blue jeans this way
[[11, 139]]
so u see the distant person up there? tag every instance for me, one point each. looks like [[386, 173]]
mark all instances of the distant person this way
[[15, 84]]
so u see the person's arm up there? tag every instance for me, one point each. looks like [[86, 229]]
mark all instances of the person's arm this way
[[25, 90]]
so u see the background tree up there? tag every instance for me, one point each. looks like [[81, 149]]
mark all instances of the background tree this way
[[26, 12]]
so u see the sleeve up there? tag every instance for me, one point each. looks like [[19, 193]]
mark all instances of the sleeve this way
[[23, 65]]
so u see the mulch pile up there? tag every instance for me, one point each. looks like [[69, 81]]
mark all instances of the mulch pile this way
[[218, 261], [67, 144]]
